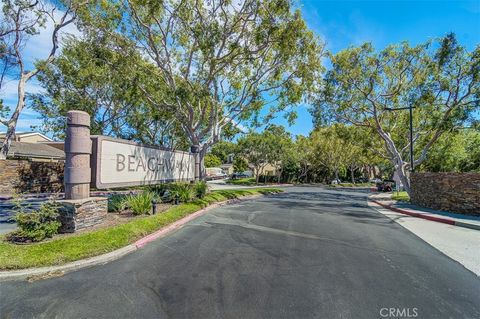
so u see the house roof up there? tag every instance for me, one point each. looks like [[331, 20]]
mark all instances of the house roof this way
[[34, 150], [25, 134]]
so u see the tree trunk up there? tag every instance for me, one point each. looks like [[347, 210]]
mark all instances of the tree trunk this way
[[203, 171], [352, 172], [12, 123], [257, 175], [400, 169], [336, 174]]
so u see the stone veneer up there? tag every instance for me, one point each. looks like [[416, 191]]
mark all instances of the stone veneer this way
[[82, 213], [21, 176], [454, 192]]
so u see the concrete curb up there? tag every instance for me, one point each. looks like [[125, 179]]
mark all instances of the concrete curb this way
[[427, 217], [52, 271], [62, 269]]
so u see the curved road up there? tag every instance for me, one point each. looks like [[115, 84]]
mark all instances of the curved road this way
[[306, 253]]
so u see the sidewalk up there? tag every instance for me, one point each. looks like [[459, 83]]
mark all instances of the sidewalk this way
[[384, 199], [458, 243]]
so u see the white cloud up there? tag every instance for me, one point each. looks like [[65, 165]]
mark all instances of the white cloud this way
[[38, 47], [24, 124], [10, 89]]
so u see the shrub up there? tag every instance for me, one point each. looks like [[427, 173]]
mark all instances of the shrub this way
[[36, 225], [159, 189], [248, 181], [141, 203], [201, 189], [183, 191], [211, 160], [116, 203]]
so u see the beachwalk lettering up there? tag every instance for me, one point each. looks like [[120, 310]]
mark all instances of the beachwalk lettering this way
[[121, 163], [134, 163]]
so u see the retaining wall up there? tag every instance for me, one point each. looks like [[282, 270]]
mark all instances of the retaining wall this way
[[454, 192], [22, 176]]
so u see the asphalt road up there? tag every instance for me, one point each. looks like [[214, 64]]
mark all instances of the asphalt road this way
[[306, 253]]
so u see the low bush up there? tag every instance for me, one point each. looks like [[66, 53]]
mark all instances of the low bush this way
[[201, 189], [248, 181], [141, 203], [159, 189], [184, 192], [116, 203], [36, 225]]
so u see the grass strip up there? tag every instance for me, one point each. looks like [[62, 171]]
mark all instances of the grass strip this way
[[248, 181], [67, 249], [401, 196], [353, 185]]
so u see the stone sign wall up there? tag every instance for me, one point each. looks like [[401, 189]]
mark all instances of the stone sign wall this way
[[120, 163], [454, 192], [19, 176]]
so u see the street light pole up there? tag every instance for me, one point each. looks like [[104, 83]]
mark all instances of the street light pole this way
[[412, 168]]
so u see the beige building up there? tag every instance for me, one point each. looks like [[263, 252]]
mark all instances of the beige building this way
[[29, 137], [35, 146], [227, 168], [268, 170]]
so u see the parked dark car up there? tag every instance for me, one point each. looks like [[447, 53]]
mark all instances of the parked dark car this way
[[239, 175], [387, 185]]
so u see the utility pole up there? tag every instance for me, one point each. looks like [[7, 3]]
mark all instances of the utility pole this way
[[412, 168]]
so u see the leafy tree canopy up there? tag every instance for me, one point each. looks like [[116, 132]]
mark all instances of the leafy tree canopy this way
[[440, 79]]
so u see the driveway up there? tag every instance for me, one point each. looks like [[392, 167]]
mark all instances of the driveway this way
[[306, 253]]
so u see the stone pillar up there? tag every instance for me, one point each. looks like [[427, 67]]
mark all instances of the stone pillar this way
[[78, 148], [79, 211], [195, 149]]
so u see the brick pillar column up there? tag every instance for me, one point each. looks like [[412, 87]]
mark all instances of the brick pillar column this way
[[195, 149], [78, 148]]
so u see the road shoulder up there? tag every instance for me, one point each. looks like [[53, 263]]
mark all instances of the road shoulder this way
[[458, 243]]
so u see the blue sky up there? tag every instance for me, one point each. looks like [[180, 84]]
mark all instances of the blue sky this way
[[342, 24], [349, 23]]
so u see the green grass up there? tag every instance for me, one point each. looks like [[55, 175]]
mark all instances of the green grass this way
[[401, 196], [353, 185], [62, 250], [242, 181]]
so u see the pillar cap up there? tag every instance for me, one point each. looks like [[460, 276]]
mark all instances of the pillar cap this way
[[75, 117]]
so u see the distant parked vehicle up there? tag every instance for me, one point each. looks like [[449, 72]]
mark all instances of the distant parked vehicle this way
[[361, 180], [375, 180], [214, 173], [387, 185], [239, 175], [216, 176], [336, 181]]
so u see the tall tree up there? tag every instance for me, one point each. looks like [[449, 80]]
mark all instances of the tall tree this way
[[329, 150], [304, 153], [262, 149], [223, 149], [21, 20], [223, 61], [440, 79], [90, 75], [240, 165], [212, 161], [280, 146]]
